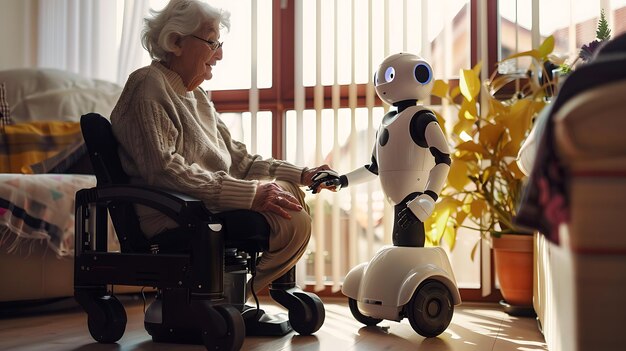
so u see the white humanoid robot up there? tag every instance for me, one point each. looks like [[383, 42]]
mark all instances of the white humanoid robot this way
[[411, 158]]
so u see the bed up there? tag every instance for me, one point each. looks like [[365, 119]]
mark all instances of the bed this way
[[43, 162]]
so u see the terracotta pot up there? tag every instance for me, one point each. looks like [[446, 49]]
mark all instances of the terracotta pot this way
[[513, 256]]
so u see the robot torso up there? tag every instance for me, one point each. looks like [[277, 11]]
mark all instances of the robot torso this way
[[403, 165]]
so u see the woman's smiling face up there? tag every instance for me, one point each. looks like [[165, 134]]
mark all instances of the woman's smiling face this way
[[195, 58]]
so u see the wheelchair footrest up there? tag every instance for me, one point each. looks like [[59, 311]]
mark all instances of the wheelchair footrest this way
[[259, 323]]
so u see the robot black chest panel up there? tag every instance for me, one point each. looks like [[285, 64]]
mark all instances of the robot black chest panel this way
[[397, 125]]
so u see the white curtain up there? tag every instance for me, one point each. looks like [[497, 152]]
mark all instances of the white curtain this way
[[78, 36], [131, 53]]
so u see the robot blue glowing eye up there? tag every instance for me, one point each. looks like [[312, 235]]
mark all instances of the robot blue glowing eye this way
[[422, 73], [390, 73]]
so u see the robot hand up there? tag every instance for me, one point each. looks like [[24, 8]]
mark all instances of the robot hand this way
[[419, 208], [325, 179]]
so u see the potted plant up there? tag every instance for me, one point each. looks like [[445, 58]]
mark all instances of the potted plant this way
[[484, 185]]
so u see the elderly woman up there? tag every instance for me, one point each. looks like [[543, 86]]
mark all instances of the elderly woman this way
[[172, 137]]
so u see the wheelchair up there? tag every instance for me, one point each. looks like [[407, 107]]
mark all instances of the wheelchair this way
[[199, 269]]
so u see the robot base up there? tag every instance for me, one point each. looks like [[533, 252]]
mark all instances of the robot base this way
[[412, 282]]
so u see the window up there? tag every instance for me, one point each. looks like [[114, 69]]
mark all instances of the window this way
[[336, 113], [235, 70], [306, 85], [245, 72], [292, 94], [296, 83], [572, 23]]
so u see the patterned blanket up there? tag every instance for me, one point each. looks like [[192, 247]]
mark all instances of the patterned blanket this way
[[40, 146], [40, 206]]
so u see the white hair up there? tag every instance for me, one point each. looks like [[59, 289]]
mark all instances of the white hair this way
[[179, 18]]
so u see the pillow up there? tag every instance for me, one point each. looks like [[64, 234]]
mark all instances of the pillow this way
[[36, 94], [63, 105], [5, 111], [24, 145]]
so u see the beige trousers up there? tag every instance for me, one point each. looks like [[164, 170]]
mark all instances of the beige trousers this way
[[288, 241]]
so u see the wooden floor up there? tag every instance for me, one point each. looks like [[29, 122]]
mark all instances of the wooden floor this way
[[474, 327]]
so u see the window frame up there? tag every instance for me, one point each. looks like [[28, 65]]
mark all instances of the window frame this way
[[280, 97]]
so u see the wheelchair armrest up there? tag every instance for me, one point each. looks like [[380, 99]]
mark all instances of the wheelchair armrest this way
[[202, 230], [180, 207]]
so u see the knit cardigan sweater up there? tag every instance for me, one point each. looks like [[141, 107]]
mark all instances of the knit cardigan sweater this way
[[173, 138]]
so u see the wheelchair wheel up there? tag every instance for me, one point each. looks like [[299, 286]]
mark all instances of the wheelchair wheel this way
[[235, 331], [111, 328], [354, 308], [430, 309], [312, 319]]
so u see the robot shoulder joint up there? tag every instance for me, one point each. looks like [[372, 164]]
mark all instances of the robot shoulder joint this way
[[419, 122]]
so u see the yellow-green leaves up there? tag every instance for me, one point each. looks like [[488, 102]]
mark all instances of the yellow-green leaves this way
[[472, 147], [477, 207], [515, 171], [539, 54], [440, 88], [490, 135], [546, 48], [440, 224], [469, 84], [484, 182], [457, 177]]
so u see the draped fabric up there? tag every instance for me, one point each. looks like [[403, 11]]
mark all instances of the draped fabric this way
[[40, 206], [78, 36], [131, 54], [83, 36]]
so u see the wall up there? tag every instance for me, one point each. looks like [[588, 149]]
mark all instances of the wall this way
[[18, 30]]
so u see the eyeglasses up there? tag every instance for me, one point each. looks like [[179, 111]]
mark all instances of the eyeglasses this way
[[214, 45]]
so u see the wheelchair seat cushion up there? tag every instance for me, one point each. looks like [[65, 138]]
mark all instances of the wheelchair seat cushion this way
[[243, 229]]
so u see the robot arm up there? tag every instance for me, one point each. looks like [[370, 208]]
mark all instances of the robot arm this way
[[360, 175], [430, 135], [363, 174], [440, 150], [332, 179]]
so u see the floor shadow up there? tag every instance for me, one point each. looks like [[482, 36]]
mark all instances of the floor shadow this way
[[398, 341], [145, 345], [27, 308], [16, 309], [310, 342], [98, 347]]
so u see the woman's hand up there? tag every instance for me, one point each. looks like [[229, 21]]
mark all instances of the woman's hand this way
[[307, 175], [272, 198], [307, 178]]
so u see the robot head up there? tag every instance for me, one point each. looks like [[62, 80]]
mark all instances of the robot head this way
[[403, 76]]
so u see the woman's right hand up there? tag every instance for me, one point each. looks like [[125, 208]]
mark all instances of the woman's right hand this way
[[272, 198]]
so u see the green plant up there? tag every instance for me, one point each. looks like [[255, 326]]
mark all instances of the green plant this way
[[484, 185], [586, 52], [603, 32]]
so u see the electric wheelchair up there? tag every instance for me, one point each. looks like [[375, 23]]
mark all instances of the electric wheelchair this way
[[199, 269]]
